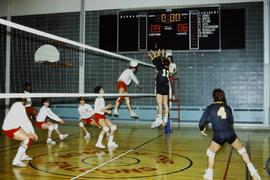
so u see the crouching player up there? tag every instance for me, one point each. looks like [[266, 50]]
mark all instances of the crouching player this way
[[100, 118], [86, 112], [221, 117], [17, 126], [43, 123]]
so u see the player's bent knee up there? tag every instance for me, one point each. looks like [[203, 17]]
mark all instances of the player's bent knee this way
[[51, 127], [55, 126], [81, 124], [106, 129], [113, 128], [27, 142], [242, 151], [210, 154]]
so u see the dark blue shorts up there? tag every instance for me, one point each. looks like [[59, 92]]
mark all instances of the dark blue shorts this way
[[224, 137]]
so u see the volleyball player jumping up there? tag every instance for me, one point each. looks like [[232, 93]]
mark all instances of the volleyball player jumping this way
[[86, 116], [17, 126], [162, 85], [123, 82], [43, 123], [100, 118], [221, 117]]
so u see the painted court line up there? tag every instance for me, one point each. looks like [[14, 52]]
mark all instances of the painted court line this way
[[228, 165], [91, 170]]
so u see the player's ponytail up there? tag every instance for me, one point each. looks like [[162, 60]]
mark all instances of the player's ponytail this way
[[219, 95]]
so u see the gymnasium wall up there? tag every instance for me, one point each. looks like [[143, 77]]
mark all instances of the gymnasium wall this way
[[239, 71]]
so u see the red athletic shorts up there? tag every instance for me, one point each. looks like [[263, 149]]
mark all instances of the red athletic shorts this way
[[121, 84], [39, 124], [98, 117], [10, 133], [87, 120]]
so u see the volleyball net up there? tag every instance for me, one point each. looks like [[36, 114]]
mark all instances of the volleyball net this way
[[60, 67]]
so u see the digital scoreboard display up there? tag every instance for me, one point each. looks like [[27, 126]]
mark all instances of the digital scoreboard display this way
[[184, 29], [176, 29], [168, 30]]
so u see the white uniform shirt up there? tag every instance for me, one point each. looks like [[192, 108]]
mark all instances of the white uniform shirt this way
[[17, 117], [99, 105], [44, 112], [85, 111], [29, 101], [128, 75]]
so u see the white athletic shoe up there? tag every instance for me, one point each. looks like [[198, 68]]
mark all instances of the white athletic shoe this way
[[63, 136], [25, 157], [156, 123], [115, 112], [100, 145], [87, 136], [112, 144], [19, 163], [50, 141], [133, 114], [255, 175], [208, 175], [165, 122]]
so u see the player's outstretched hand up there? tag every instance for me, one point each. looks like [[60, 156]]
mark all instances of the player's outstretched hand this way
[[61, 121], [203, 132]]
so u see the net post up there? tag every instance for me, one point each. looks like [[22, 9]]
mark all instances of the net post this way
[[168, 126]]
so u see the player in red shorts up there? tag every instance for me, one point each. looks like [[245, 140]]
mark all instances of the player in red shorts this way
[[100, 118], [123, 82], [86, 116], [31, 111], [17, 126], [43, 123]]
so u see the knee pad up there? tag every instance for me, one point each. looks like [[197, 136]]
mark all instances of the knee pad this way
[[210, 154], [242, 151], [51, 127], [106, 129], [27, 142], [114, 127], [81, 124], [120, 99], [55, 126]]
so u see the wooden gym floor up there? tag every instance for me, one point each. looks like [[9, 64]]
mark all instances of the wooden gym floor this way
[[143, 153]]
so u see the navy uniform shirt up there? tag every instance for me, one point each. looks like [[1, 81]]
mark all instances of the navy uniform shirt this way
[[163, 72], [220, 115]]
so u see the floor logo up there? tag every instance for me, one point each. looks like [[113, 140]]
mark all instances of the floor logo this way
[[133, 165]]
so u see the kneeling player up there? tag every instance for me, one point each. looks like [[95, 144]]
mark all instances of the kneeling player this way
[[17, 126], [100, 118], [42, 123], [86, 112]]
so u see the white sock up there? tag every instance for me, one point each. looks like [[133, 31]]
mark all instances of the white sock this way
[[20, 152], [159, 116], [100, 137], [251, 168], [165, 117], [210, 170], [49, 138], [110, 139]]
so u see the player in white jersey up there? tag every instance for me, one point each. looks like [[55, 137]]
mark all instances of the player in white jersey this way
[[17, 126], [123, 81], [43, 123], [86, 113], [100, 118]]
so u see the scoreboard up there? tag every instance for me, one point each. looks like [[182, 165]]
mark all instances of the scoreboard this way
[[184, 29], [176, 29]]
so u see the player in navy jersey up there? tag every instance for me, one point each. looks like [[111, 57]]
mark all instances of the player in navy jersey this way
[[162, 85], [219, 114]]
